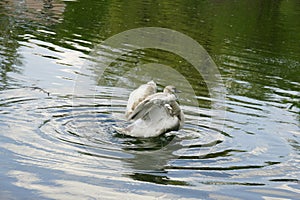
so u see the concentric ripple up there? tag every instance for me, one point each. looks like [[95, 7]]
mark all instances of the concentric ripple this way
[[91, 126]]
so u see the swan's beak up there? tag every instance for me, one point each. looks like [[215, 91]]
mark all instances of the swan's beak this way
[[177, 91]]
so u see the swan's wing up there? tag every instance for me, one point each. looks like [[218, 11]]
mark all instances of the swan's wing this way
[[138, 95], [152, 101], [157, 121]]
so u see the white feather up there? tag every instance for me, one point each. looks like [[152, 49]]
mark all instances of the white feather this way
[[138, 95], [154, 115]]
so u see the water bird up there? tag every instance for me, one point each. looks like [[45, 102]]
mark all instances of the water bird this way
[[156, 114]]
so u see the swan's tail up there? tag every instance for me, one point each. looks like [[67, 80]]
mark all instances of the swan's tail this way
[[119, 130], [125, 130]]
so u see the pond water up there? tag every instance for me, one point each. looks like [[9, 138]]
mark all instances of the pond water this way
[[59, 107]]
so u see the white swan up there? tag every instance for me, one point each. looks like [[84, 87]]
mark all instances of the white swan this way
[[138, 95], [156, 114]]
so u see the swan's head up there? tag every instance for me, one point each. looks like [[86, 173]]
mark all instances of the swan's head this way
[[171, 89], [152, 83]]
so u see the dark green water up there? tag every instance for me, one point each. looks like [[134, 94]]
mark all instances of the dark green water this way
[[57, 140]]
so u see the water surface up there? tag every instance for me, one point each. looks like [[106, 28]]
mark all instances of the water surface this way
[[59, 143]]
